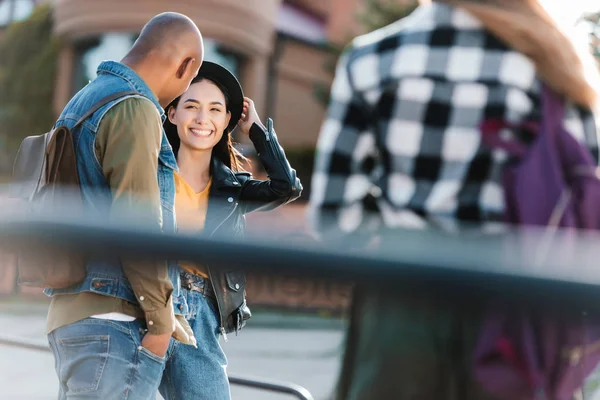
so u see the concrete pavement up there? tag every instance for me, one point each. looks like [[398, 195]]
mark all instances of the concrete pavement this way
[[299, 349]]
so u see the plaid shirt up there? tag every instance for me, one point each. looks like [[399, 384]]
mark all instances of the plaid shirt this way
[[402, 134]]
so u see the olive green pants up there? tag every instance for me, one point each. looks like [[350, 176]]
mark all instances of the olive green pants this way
[[413, 345]]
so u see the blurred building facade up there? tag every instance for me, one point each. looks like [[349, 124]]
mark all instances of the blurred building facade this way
[[277, 48]]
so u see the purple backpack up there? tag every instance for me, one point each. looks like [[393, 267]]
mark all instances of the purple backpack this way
[[525, 354]]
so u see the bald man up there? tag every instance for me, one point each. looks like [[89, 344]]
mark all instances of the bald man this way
[[111, 332]]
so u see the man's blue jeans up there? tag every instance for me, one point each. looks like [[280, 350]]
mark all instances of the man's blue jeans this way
[[197, 373], [103, 359]]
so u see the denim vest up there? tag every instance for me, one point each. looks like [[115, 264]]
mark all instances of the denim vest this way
[[106, 276]]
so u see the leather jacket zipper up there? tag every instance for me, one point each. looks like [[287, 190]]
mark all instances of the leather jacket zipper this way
[[276, 151], [269, 129], [219, 306]]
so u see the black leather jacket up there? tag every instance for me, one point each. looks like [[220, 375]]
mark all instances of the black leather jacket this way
[[234, 194]]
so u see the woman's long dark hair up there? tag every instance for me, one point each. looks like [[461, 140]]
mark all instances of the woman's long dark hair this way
[[224, 149]]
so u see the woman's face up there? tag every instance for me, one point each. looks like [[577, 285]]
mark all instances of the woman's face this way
[[201, 116]]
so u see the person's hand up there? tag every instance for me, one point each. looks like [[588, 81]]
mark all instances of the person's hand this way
[[249, 116], [157, 344], [183, 331]]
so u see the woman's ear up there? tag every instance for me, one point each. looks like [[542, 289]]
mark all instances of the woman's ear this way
[[171, 115], [228, 119]]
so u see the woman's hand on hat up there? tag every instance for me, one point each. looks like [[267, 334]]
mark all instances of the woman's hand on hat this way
[[249, 116]]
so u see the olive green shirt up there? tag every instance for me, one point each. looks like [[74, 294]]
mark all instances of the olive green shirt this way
[[127, 145]]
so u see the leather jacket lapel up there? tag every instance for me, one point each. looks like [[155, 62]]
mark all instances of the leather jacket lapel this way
[[223, 198]]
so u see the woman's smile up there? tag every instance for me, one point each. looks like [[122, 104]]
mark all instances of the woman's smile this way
[[202, 133]]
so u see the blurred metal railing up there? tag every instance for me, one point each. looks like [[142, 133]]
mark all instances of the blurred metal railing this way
[[251, 382], [504, 266]]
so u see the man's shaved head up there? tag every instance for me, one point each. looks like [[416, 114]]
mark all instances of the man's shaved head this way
[[163, 30], [167, 54]]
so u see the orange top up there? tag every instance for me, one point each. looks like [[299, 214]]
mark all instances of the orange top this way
[[190, 211]]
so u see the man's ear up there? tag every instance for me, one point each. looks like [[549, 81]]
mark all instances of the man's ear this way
[[171, 115], [184, 66]]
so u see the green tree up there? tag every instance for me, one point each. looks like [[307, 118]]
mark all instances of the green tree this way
[[27, 77], [379, 13], [594, 21]]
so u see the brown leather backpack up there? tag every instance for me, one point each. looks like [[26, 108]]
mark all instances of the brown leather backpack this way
[[45, 178]]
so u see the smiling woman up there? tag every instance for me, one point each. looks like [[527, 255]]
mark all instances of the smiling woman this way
[[213, 195]]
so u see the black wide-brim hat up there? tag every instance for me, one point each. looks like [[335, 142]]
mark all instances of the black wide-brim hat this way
[[231, 88]]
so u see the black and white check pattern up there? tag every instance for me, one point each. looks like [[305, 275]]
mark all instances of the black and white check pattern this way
[[402, 134]]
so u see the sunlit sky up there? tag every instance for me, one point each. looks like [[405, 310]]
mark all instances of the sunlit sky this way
[[568, 11]]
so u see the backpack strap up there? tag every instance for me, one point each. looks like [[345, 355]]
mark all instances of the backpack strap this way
[[102, 102]]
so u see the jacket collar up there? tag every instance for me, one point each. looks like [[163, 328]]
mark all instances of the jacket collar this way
[[126, 73], [223, 176], [223, 197]]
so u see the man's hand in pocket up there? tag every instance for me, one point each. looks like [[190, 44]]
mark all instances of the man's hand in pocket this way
[[157, 344]]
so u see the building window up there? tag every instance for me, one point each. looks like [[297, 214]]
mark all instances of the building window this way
[[23, 9], [91, 52], [5, 12], [216, 53], [114, 46], [300, 24], [15, 10]]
